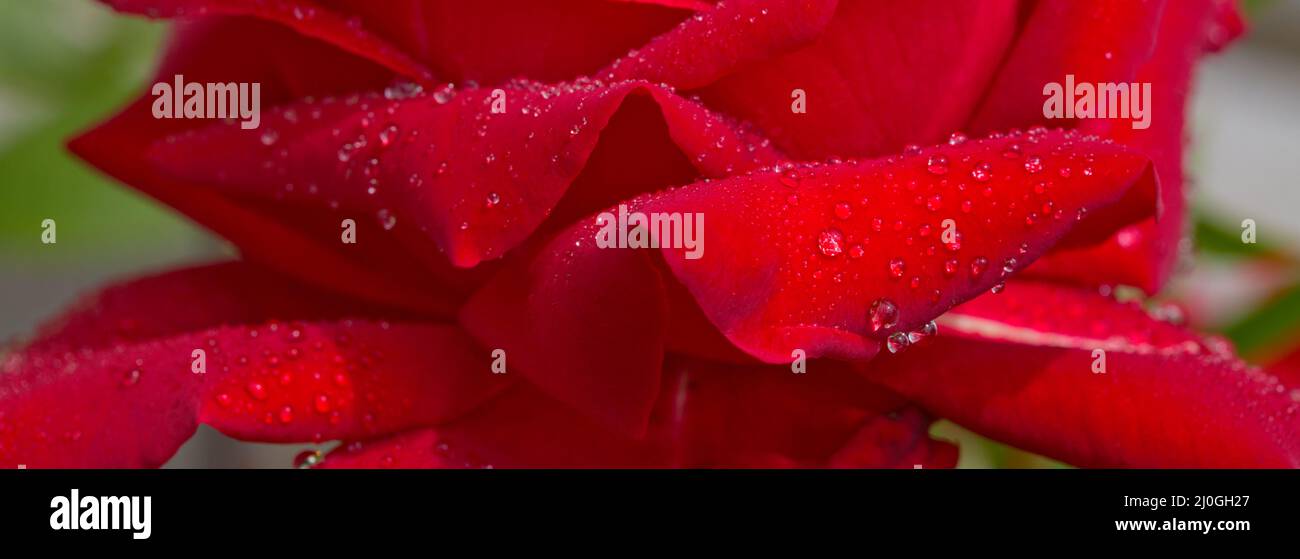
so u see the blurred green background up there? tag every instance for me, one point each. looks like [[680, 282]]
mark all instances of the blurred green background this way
[[66, 64]]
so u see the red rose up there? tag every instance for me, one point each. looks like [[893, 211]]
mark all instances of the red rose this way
[[487, 154]]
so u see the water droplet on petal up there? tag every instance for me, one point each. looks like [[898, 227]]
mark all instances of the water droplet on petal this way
[[386, 219], [322, 403], [1033, 164], [897, 267], [256, 390], [937, 165], [897, 342], [883, 314], [387, 135], [953, 244], [978, 265], [982, 172], [830, 242]]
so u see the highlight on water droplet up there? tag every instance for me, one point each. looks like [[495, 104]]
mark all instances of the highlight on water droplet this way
[[830, 242], [897, 342], [883, 314], [897, 268], [1033, 164]]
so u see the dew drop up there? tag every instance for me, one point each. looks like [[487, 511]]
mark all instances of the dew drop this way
[[897, 267], [937, 165], [830, 242], [982, 172], [1008, 266], [1033, 164], [322, 403], [387, 135], [953, 244], [843, 211], [956, 139], [256, 390], [286, 414], [386, 219], [897, 342], [978, 265], [883, 314]]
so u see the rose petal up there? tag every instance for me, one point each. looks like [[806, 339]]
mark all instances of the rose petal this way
[[190, 299], [568, 346], [492, 41], [870, 85], [132, 405], [1019, 367], [708, 416], [712, 44], [225, 50], [782, 270], [793, 260], [1097, 42], [1145, 254], [474, 181], [112, 383], [304, 16]]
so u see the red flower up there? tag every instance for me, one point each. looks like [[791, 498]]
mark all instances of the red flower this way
[[476, 231]]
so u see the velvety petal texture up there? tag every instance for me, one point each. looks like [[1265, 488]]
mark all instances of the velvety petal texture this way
[[304, 16], [129, 393], [824, 259], [1082, 378], [868, 86], [655, 233], [1145, 254], [707, 416], [475, 171]]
